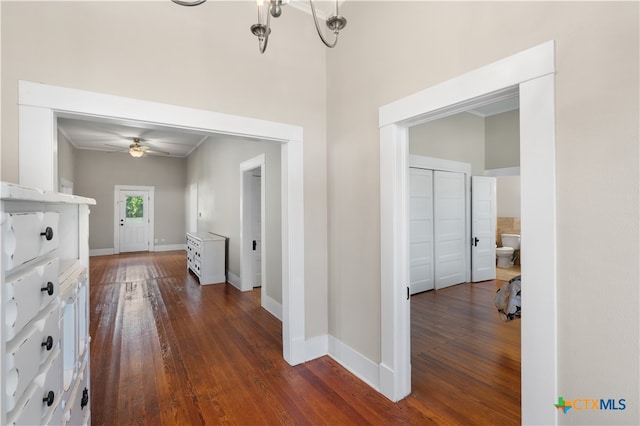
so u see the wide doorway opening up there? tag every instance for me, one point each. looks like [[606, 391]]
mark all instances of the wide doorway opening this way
[[461, 349], [531, 73]]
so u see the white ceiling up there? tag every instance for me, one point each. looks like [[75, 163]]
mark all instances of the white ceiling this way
[[116, 137]]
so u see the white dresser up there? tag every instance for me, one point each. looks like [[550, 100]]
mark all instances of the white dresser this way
[[44, 313], [206, 257]]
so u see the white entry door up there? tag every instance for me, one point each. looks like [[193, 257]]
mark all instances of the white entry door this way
[[421, 273], [449, 230], [256, 218], [483, 228], [134, 220]]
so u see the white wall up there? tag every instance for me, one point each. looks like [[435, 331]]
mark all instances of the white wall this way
[[215, 168], [502, 140], [458, 137], [66, 158], [597, 167], [508, 196], [98, 172], [203, 57]]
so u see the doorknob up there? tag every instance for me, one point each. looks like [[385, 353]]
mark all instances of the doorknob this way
[[475, 241], [254, 244]]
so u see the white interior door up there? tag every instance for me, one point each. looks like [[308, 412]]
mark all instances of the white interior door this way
[[449, 230], [256, 219], [483, 228], [134, 220], [421, 272]]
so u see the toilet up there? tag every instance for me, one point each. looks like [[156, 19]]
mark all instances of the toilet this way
[[504, 254]]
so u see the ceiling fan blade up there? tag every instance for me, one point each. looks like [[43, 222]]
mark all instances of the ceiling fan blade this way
[[155, 152]]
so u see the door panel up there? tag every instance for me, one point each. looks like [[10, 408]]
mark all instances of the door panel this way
[[483, 228], [134, 221], [256, 217], [421, 272], [449, 230]]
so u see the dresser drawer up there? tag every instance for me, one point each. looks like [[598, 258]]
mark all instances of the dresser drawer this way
[[77, 407], [27, 353], [42, 396], [27, 293], [27, 236]]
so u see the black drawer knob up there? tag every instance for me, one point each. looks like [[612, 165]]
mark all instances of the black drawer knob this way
[[48, 398], [48, 233], [48, 343], [85, 398], [48, 288]]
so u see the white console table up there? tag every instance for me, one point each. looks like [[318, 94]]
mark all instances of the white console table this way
[[206, 257]]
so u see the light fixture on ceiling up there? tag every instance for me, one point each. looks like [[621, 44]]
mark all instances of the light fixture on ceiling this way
[[269, 8], [135, 149]]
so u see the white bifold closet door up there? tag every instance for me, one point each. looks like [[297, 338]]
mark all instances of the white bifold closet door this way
[[421, 274], [436, 229]]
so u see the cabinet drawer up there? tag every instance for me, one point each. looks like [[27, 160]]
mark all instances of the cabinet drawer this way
[[77, 407], [26, 354], [42, 396], [27, 293], [27, 236]]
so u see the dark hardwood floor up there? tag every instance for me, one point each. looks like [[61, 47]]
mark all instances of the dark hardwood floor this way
[[167, 351]]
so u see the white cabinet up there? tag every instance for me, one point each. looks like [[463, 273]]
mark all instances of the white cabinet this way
[[206, 257], [44, 341]]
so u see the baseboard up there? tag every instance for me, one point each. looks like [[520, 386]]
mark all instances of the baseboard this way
[[316, 347], [170, 247], [233, 279], [273, 307], [101, 252], [361, 366]]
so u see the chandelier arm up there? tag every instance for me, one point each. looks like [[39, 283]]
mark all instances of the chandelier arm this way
[[188, 3], [315, 21], [262, 44]]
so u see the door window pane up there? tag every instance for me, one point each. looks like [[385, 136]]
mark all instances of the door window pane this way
[[135, 208]]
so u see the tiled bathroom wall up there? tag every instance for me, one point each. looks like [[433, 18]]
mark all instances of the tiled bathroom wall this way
[[507, 225]]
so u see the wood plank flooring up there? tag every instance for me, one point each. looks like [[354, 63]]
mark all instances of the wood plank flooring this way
[[167, 351]]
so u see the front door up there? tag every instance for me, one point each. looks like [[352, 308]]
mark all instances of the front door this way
[[134, 220], [483, 228]]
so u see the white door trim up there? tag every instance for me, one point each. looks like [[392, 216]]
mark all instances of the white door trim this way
[[39, 105], [116, 214], [246, 220], [532, 73]]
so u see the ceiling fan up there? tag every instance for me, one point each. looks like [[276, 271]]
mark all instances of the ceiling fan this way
[[137, 150]]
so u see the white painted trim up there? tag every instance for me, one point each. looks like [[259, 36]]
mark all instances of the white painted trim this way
[[538, 232], [101, 252], [271, 306], [532, 72], [233, 279], [431, 163], [317, 346], [292, 194], [39, 104], [358, 364], [170, 247], [505, 171], [497, 77], [116, 214], [246, 224]]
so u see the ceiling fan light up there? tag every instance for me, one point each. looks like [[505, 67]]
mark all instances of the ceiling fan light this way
[[136, 152]]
